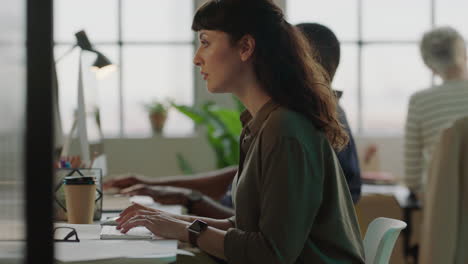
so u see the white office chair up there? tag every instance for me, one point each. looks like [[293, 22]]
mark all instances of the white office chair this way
[[380, 239]]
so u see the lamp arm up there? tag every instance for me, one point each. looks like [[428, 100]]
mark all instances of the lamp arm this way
[[65, 54]]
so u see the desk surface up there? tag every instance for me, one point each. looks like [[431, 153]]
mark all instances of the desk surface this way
[[400, 192], [91, 249], [116, 251]]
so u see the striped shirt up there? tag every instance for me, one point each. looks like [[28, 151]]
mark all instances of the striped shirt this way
[[430, 111]]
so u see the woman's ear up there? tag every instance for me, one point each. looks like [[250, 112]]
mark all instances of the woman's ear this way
[[246, 47]]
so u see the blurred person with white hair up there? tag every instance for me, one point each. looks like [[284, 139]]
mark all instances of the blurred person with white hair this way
[[431, 110]]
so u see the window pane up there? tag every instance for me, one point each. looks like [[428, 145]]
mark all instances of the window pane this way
[[12, 130], [12, 107], [343, 20], [97, 18], [162, 20], [395, 20], [346, 80], [98, 93], [12, 22], [156, 72], [108, 95], [453, 13], [391, 73]]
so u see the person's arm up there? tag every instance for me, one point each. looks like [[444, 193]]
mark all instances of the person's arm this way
[[221, 224], [349, 160], [212, 184], [208, 207], [413, 149], [175, 227], [201, 205]]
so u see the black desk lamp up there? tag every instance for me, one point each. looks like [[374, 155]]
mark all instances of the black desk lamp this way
[[102, 65]]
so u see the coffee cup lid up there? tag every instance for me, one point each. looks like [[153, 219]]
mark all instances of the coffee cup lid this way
[[78, 180]]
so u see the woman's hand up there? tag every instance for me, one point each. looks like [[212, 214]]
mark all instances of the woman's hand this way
[[162, 194], [158, 222]]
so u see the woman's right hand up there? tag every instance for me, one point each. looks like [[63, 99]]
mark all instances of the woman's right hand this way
[[158, 222], [124, 181]]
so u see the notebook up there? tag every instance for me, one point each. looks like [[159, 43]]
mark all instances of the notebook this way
[[136, 233]]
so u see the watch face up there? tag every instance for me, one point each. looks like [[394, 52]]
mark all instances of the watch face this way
[[198, 226]]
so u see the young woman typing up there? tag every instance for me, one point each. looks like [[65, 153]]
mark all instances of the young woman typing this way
[[292, 204]]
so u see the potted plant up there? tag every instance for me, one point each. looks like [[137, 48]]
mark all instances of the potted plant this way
[[222, 129], [157, 111]]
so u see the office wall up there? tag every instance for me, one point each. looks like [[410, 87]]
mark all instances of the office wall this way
[[389, 149], [157, 156]]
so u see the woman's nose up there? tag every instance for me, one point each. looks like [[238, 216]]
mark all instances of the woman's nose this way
[[197, 60]]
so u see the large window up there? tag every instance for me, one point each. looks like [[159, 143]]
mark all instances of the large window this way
[[380, 64], [152, 44], [12, 129]]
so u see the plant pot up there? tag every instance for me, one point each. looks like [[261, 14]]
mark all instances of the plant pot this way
[[157, 122]]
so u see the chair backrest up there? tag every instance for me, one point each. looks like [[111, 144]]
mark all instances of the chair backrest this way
[[444, 232], [380, 239]]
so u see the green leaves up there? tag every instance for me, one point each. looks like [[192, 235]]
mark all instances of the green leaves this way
[[184, 165], [156, 106], [223, 128]]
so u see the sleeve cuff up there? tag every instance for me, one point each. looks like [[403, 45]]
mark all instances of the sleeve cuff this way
[[232, 220], [234, 246]]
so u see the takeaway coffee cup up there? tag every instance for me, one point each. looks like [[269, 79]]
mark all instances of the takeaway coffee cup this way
[[80, 193]]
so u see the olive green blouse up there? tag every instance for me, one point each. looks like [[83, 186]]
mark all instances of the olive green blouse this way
[[292, 203]]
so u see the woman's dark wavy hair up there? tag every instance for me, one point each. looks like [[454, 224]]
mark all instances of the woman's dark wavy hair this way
[[282, 59]]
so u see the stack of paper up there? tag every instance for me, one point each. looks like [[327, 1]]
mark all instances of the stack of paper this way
[[140, 232], [89, 251]]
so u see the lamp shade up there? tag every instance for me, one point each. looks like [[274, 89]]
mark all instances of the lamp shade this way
[[102, 66], [101, 61]]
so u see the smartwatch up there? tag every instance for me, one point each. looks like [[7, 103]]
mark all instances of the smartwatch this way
[[194, 231]]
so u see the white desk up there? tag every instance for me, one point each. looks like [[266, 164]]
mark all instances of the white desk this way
[[91, 249]]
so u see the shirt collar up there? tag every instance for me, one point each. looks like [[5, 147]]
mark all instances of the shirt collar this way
[[254, 124]]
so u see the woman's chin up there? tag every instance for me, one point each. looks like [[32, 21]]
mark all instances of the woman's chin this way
[[215, 89]]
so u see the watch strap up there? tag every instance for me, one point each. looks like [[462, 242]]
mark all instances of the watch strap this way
[[193, 237], [194, 233]]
